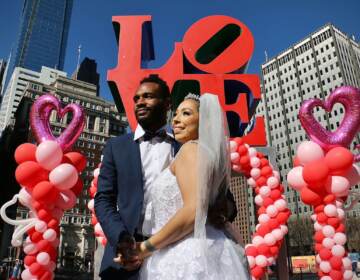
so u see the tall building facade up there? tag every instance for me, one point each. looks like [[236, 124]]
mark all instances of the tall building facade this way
[[16, 87], [3, 65], [311, 68], [42, 38], [87, 72], [77, 240]]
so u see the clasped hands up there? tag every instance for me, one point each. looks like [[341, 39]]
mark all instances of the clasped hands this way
[[131, 254]]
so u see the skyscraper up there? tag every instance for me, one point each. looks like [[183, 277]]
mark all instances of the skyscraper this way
[[43, 33], [311, 68], [3, 64], [87, 72]]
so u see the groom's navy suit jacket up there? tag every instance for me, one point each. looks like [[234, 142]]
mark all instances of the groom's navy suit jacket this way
[[119, 198]]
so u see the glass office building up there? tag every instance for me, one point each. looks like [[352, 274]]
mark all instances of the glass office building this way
[[44, 27]]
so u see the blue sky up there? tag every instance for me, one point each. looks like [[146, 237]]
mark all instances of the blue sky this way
[[275, 25]]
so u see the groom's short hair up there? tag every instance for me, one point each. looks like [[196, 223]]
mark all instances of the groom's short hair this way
[[164, 88]]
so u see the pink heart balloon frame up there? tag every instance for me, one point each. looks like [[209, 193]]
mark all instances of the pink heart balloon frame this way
[[349, 97], [40, 121]]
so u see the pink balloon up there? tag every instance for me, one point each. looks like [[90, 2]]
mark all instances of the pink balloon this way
[[346, 263], [284, 229], [337, 185], [254, 162], [263, 218], [272, 182], [67, 200], [277, 233], [261, 260], [272, 211], [325, 266], [349, 97], [255, 173], [25, 197], [30, 249], [330, 210], [64, 176], [49, 235], [40, 124], [295, 178], [40, 226], [234, 157], [258, 200], [258, 240], [269, 239], [26, 275], [265, 191], [280, 204], [233, 146], [309, 151], [348, 275], [43, 258], [251, 261], [91, 204], [338, 250], [328, 231], [340, 238], [49, 154], [98, 229], [328, 242]]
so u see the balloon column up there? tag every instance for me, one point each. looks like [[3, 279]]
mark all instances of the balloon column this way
[[324, 171], [48, 175], [92, 192], [272, 209]]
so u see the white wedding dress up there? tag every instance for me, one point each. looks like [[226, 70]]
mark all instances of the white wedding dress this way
[[183, 260]]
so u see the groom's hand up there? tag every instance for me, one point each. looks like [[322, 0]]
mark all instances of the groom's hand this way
[[127, 255]]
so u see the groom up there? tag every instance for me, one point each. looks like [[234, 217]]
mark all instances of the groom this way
[[130, 165]]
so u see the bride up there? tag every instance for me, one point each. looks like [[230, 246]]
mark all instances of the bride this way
[[183, 244]]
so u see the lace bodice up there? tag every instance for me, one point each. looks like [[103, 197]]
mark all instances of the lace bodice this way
[[165, 199]]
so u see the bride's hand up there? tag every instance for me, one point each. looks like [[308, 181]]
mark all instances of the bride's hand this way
[[142, 252]]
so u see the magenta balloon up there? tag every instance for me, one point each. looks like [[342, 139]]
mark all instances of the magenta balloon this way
[[349, 97], [40, 121]]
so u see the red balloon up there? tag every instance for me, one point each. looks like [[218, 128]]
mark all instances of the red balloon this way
[[334, 222], [77, 189], [275, 194], [296, 162], [339, 160], [36, 237], [52, 253], [261, 181], [319, 236], [43, 245], [322, 218], [336, 275], [261, 210], [25, 152], [29, 260], [336, 263], [92, 191], [263, 249], [274, 250], [30, 173], [263, 229], [318, 247], [266, 171], [238, 140], [31, 231], [77, 159], [310, 197], [46, 276], [273, 223], [35, 268], [264, 162], [244, 160], [315, 173], [44, 215], [94, 220], [282, 217], [340, 228], [257, 271], [53, 223], [329, 199], [251, 251], [45, 192], [319, 208], [242, 150], [325, 254], [268, 201]]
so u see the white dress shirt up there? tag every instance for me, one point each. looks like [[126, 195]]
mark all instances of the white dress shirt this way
[[156, 155]]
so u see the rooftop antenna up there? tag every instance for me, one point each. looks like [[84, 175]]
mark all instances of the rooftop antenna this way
[[78, 61], [266, 56]]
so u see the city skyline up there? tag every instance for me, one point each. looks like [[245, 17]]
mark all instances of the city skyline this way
[[170, 22]]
